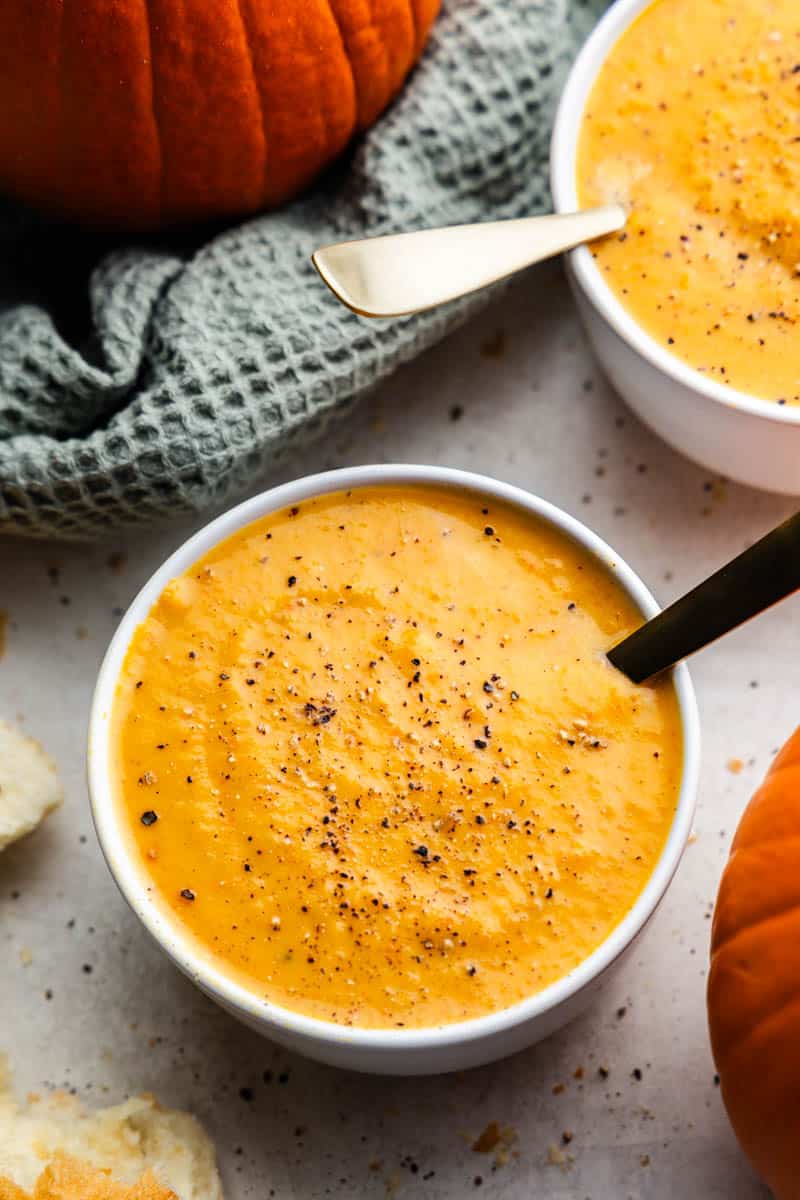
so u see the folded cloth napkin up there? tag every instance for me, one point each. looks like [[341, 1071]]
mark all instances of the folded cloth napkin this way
[[161, 375]]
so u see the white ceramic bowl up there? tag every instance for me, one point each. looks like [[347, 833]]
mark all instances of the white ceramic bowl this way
[[742, 437], [388, 1051]]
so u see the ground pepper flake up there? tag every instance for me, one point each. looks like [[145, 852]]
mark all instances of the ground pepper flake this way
[[319, 715]]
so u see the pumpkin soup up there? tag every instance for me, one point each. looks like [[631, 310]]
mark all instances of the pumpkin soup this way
[[693, 125], [374, 760]]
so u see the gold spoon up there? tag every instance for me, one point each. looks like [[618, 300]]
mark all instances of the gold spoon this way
[[406, 273]]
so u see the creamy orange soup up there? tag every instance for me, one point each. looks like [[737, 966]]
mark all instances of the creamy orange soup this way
[[373, 759], [694, 125]]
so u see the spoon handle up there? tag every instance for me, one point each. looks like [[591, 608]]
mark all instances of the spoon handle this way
[[408, 272], [765, 573]]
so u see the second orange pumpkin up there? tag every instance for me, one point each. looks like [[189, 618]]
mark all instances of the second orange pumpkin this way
[[754, 983], [141, 113]]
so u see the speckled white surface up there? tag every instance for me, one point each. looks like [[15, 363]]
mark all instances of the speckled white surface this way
[[98, 1008]]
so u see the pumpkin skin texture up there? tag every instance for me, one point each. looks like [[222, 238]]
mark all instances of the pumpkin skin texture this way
[[135, 114], [754, 981]]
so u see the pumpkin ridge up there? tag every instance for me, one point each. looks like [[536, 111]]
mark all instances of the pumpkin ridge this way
[[422, 15], [385, 57], [66, 137], [154, 106], [256, 87], [389, 58], [343, 40], [59, 69], [775, 1014], [779, 914], [415, 27], [761, 843]]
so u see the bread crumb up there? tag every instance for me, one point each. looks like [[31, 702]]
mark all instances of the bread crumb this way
[[496, 1138], [735, 766], [557, 1158], [29, 785], [488, 1140]]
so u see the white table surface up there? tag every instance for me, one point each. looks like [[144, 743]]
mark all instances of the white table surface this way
[[535, 412]]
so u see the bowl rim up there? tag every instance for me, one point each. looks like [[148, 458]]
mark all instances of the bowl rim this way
[[200, 967], [563, 185]]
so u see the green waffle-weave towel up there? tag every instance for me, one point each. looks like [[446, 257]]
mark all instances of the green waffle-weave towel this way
[[147, 378]]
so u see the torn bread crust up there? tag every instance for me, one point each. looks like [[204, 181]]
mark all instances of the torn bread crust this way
[[29, 784], [68, 1179], [133, 1151]]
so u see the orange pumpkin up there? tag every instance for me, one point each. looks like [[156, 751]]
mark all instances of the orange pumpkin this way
[[754, 983], [140, 113]]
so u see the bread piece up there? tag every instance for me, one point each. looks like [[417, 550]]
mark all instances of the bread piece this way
[[10, 1191], [68, 1179], [29, 786], [133, 1151]]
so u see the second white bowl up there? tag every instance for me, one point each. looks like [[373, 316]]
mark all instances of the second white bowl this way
[[745, 438]]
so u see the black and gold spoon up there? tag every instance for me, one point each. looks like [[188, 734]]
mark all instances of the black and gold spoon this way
[[765, 573]]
